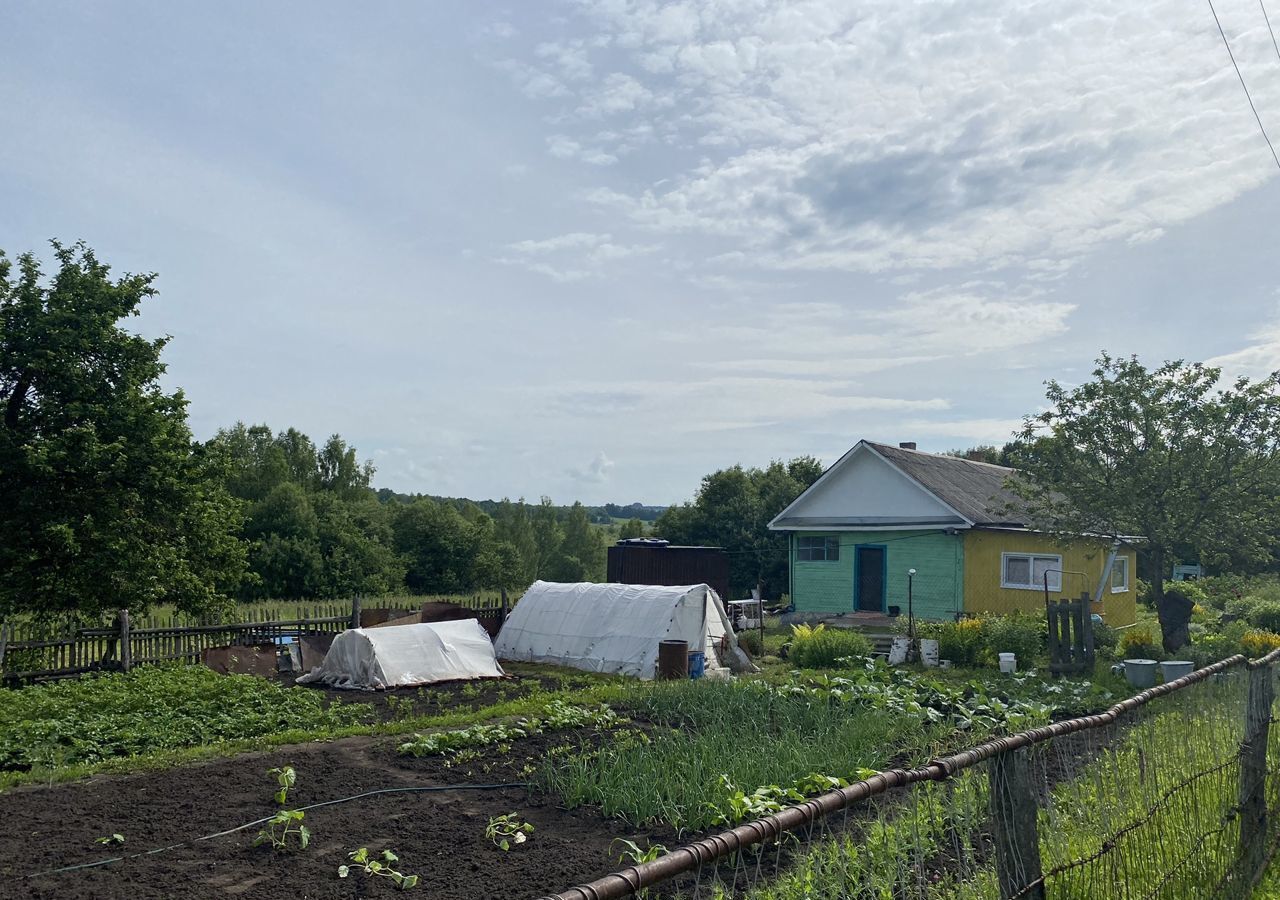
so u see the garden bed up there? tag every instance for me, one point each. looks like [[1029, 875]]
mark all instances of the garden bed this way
[[438, 836]]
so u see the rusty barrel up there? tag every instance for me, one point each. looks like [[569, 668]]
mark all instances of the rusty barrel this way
[[673, 659]]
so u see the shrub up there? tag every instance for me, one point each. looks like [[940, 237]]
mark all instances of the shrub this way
[[1019, 633], [749, 640], [1105, 639], [961, 642], [1266, 615], [1137, 643], [820, 647], [1257, 642]]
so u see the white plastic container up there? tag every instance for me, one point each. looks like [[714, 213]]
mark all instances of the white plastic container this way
[[1008, 663], [929, 652], [944, 664], [1141, 673], [898, 651], [1173, 669]]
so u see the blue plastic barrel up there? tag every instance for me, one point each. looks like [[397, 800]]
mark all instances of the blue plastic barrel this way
[[697, 664]]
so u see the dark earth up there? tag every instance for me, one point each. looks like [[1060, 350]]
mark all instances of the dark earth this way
[[438, 836]]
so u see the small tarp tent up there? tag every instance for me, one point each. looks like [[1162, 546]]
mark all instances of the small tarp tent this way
[[615, 628], [406, 655]]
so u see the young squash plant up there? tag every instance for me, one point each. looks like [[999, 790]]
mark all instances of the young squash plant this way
[[506, 830], [285, 822], [378, 867]]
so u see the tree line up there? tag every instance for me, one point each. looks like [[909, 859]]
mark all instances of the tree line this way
[[107, 501]]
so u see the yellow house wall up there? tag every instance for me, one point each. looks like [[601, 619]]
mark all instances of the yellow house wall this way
[[983, 552]]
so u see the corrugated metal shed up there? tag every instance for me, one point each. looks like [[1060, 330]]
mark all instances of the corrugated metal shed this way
[[648, 561]]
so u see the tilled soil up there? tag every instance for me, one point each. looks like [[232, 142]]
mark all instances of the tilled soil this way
[[438, 836]]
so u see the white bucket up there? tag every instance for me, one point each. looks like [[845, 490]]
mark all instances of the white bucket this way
[[1141, 673], [898, 651], [944, 664], [1173, 669], [929, 652], [1008, 663]]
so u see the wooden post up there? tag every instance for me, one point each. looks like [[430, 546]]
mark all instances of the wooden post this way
[[1253, 771], [1086, 625], [355, 611], [126, 648], [506, 607], [1013, 818], [4, 643]]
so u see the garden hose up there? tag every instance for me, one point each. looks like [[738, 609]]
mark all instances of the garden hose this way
[[263, 821]]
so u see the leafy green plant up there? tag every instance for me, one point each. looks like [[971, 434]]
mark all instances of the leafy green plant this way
[[379, 867], [961, 642], [820, 647], [1019, 632], [507, 830], [401, 707], [1137, 643], [556, 715], [285, 822], [111, 839], [631, 852], [153, 708]]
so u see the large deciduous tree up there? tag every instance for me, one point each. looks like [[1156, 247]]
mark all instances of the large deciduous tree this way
[[104, 500], [1168, 454]]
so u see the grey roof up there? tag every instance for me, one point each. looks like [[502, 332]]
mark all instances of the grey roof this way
[[976, 490]]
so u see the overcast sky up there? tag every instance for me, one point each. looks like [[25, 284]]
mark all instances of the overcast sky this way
[[597, 249]]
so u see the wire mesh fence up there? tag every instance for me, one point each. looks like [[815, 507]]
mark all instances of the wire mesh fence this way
[[1169, 795]]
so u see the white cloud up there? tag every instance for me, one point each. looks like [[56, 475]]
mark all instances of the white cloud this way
[[900, 136], [597, 471], [1257, 360]]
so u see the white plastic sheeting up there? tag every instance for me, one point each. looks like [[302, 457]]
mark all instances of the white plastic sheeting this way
[[615, 628], [405, 655]]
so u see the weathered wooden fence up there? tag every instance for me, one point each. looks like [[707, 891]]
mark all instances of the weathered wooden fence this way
[[38, 651], [1070, 635]]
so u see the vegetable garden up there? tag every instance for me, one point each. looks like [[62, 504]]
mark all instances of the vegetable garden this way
[[522, 787]]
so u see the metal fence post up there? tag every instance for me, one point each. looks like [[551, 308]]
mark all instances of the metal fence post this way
[[126, 648], [1253, 770], [1013, 816]]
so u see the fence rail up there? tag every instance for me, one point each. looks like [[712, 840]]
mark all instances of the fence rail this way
[[1007, 813], [34, 651]]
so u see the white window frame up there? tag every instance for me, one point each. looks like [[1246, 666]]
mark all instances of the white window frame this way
[[1123, 563], [827, 542], [1055, 578]]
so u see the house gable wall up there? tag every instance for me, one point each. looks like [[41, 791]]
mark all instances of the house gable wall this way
[[828, 586], [984, 552], [868, 488]]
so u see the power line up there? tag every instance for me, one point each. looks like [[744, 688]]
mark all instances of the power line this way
[[1247, 95], [1268, 20]]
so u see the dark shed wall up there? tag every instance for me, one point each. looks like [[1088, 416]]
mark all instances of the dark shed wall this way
[[670, 566]]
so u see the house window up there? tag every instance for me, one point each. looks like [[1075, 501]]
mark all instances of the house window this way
[[1120, 575], [817, 549], [1026, 571]]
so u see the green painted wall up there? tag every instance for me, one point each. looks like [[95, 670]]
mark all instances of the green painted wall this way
[[938, 559]]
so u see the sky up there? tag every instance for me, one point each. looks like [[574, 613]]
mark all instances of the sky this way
[[596, 250]]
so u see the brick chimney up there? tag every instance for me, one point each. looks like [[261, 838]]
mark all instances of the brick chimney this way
[[907, 445]]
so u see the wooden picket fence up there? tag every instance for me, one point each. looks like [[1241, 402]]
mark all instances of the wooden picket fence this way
[[35, 651]]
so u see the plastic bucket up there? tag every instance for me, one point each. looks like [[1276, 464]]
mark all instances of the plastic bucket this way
[[697, 663], [929, 652], [1008, 662], [898, 651], [1141, 673], [1173, 669]]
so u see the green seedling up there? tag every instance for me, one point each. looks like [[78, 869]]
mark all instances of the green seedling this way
[[380, 867], [632, 853], [285, 822], [506, 830], [111, 840], [285, 777]]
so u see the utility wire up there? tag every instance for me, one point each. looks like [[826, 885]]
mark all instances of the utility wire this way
[[1268, 21], [1269, 27], [1247, 95]]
